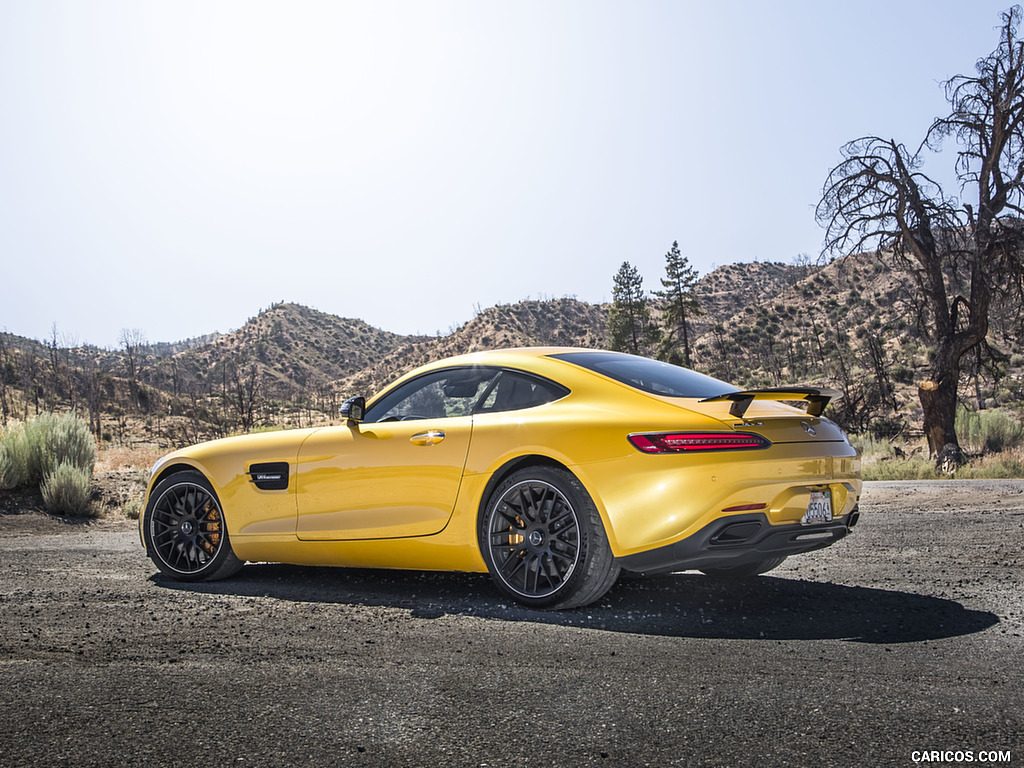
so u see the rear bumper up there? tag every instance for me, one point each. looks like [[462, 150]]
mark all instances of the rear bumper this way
[[738, 540]]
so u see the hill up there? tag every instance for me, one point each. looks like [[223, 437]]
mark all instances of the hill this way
[[290, 346], [850, 324], [730, 289], [556, 322], [854, 324]]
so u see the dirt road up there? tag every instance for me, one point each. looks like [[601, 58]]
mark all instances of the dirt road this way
[[903, 639]]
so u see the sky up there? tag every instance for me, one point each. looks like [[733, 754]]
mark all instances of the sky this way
[[175, 167]]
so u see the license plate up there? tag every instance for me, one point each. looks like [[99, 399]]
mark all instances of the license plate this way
[[819, 509]]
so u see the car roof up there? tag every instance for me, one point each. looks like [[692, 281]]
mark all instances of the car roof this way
[[534, 359], [506, 356]]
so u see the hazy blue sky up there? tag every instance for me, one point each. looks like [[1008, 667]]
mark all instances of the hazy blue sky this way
[[177, 166]]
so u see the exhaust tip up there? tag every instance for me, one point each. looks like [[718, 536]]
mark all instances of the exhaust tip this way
[[854, 517], [736, 533]]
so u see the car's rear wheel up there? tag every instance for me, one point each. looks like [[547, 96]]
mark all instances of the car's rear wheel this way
[[745, 571], [184, 530], [543, 540]]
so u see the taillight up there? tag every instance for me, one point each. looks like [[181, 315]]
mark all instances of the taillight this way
[[689, 442]]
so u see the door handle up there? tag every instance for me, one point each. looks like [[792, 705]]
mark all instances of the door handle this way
[[431, 437]]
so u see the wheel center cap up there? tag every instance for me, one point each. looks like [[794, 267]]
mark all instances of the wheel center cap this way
[[536, 538], [188, 527]]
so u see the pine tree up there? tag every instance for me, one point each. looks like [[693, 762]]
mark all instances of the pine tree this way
[[680, 308], [630, 327]]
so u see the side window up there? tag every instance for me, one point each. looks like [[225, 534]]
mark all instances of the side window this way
[[515, 391], [437, 395]]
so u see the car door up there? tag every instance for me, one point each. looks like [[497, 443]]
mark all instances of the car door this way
[[397, 473]]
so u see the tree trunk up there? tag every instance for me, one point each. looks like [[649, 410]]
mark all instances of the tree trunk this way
[[977, 379], [686, 342], [938, 396]]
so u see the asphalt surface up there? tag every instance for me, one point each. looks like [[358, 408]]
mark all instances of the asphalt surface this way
[[905, 638]]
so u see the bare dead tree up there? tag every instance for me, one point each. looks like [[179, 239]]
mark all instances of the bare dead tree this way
[[960, 255], [60, 374], [30, 371], [8, 373], [133, 342], [90, 383], [53, 351], [244, 391], [880, 364]]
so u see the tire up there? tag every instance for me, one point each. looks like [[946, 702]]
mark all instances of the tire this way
[[543, 541], [185, 533], [744, 571]]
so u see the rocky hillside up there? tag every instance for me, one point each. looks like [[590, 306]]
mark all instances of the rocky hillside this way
[[853, 324], [729, 290], [291, 346], [850, 324], [557, 322]]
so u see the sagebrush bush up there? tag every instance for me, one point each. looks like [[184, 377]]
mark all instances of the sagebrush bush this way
[[1009, 464], [882, 461], [66, 490], [991, 431], [132, 506], [916, 468], [56, 452], [14, 458], [868, 445], [58, 439]]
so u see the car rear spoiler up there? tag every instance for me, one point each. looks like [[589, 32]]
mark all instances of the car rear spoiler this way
[[815, 397]]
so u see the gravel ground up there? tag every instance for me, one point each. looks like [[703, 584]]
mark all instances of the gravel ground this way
[[904, 638]]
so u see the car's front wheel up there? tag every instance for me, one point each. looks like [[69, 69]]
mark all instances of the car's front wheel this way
[[543, 540], [184, 530]]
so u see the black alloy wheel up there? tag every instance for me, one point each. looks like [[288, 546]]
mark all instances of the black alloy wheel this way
[[185, 532], [544, 542]]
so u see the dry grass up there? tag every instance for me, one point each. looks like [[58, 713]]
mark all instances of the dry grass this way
[[883, 460], [995, 466], [121, 475], [121, 457]]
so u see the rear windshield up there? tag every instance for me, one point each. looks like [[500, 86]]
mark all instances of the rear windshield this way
[[648, 375]]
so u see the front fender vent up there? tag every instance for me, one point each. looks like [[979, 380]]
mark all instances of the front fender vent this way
[[269, 476]]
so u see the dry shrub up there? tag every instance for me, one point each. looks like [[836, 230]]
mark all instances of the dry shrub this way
[[56, 440], [57, 452], [66, 490], [14, 458], [990, 431]]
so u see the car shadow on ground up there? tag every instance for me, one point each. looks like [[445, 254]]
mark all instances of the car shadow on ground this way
[[678, 605]]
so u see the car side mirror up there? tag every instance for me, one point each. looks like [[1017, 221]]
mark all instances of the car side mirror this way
[[354, 409]]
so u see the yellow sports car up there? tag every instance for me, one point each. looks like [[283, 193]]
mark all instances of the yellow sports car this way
[[551, 468]]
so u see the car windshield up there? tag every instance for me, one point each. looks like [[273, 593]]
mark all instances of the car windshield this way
[[648, 375]]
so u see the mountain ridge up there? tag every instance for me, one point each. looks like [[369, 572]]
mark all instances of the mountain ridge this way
[[849, 324]]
